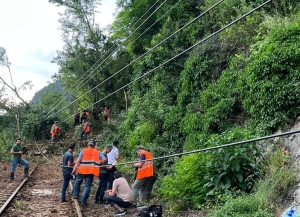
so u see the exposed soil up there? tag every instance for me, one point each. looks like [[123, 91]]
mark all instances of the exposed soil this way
[[41, 194]]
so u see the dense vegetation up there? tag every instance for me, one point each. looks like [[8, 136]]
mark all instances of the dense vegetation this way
[[239, 84]]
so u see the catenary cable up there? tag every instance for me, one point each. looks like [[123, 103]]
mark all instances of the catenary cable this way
[[174, 57], [126, 39], [212, 7]]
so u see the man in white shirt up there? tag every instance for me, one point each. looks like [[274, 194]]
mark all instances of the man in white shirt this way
[[112, 158]]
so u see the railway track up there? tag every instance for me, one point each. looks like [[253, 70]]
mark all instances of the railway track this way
[[39, 195]]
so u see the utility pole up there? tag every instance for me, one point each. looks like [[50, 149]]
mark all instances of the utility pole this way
[[18, 125]]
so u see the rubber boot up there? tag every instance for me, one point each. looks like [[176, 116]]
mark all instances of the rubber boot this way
[[12, 176], [26, 172]]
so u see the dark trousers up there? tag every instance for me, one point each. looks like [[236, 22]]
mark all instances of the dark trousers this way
[[76, 122], [112, 200], [111, 177], [103, 178]]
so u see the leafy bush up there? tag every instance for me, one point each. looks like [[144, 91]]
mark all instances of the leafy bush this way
[[279, 176], [271, 87], [212, 173]]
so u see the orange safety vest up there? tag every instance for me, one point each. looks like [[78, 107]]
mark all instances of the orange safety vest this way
[[147, 168], [90, 162], [55, 130], [86, 127]]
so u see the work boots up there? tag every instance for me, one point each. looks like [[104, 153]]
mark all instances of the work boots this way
[[26, 172], [12, 176]]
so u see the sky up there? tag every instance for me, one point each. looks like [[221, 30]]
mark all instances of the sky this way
[[29, 31]]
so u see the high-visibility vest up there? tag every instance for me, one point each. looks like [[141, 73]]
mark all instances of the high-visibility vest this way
[[86, 127], [90, 162], [147, 168], [55, 130]]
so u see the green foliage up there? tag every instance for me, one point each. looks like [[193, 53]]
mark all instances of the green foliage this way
[[271, 93], [215, 172], [231, 167], [279, 177], [188, 173]]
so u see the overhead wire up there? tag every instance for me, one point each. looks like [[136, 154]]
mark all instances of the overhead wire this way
[[239, 143], [126, 39], [174, 57], [142, 34], [212, 7], [219, 146], [150, 50]]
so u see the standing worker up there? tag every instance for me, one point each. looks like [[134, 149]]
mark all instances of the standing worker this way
[[16, 159], [83, 116], [106, 111], [145, 173], [55, 131], [87, 115], [103, 178], [67, 164], [76, 118], [87, 166], [85, 130], [112, 157]]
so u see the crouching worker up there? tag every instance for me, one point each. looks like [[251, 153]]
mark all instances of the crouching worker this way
[[120, 196], [16, 159]]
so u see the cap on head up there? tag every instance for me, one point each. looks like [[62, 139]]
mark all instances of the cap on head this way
[[140, 147], [109, 146], [56, 122], [92, 143]]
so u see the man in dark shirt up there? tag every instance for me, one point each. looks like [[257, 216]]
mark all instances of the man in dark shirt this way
[[103, 178], [67, 168], [16, 159]]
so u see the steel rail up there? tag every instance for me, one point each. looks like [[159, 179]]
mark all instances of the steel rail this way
[[79, 214], [15, 192]]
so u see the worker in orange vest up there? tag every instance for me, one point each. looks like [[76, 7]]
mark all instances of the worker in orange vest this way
[[85, 130], [87, 166], [55, 131], [106, 111], [145, 173]]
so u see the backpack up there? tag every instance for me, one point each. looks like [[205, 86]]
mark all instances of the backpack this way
[[152, 211]]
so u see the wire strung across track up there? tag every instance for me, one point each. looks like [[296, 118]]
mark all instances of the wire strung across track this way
[[150, 50], [174, 57], [204, 149], [126, 39]]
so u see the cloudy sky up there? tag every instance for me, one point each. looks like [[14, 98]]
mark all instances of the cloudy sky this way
[[30, 35]]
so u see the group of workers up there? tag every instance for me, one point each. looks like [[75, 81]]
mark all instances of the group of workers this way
[[83, 119], [113, 188]]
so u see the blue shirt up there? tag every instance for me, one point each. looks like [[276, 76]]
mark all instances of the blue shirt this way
[[68, 156]]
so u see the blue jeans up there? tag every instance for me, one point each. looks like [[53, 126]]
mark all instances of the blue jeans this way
[[14, 164], [88, 179], [102, 187], [67, 178], [112, 200]]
